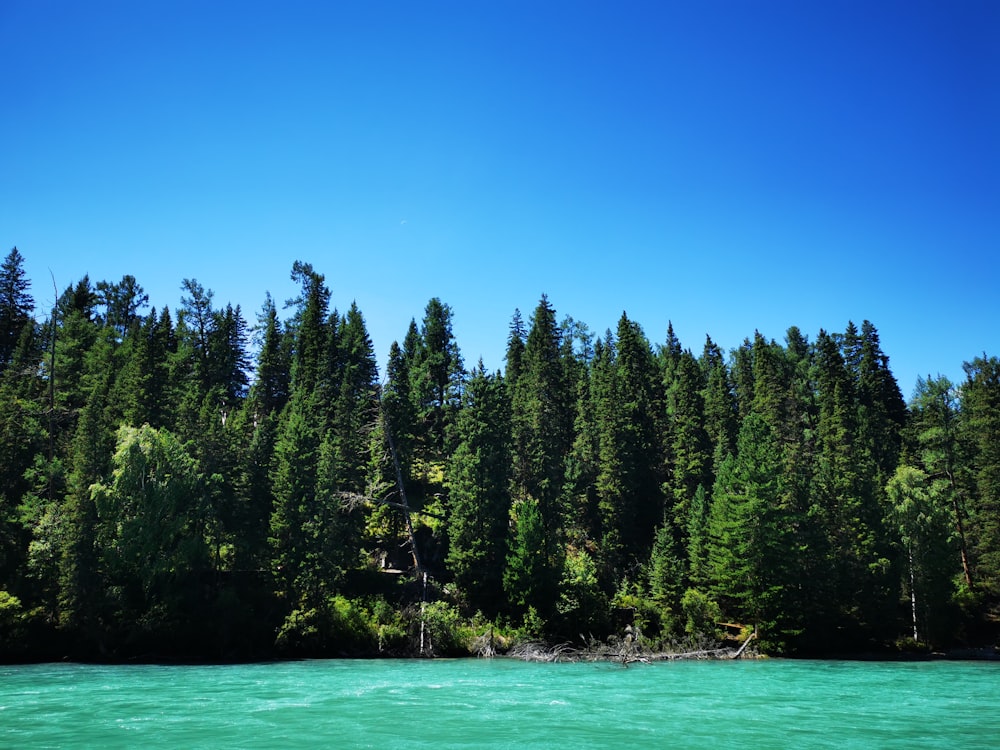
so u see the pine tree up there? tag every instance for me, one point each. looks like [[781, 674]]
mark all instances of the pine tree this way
[[515, 348], [148, 388], [310, 329], [436, 378], [531, 576], [542, 419], [294, 527], [881, 406], [356, 402], [541, 422], [81, 590], [16, 305], [478, 483], [272, 382], [749, 534], [742, 374], [981, 428], [690, 450], [631, 455], [844, 487], [719, 404], [122, 302]]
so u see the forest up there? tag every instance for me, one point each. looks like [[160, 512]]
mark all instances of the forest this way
[[190, 484]]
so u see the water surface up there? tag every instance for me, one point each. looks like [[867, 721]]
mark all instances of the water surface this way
[[503, 703]]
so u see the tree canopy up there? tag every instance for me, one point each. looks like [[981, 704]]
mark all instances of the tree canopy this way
[[185, 484]]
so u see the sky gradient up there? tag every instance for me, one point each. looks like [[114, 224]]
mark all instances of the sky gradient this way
[[727, 166]]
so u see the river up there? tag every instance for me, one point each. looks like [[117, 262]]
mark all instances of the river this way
[[504, 704]]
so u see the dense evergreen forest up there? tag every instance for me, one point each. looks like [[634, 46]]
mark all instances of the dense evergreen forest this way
[[187, 484]]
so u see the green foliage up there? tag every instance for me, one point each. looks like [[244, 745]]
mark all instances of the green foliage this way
[[150, 529], [478, 479], [981, 433], [447, 634], [750, 530], [921, 520], [582, 606], [531, 576], [701, 613], [10, 611], [338, 627], [153, 499], [16, 305]]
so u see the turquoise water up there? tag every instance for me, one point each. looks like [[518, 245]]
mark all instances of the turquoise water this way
[[503, 703]]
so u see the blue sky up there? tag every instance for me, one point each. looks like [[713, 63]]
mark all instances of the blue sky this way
[[728, 166]]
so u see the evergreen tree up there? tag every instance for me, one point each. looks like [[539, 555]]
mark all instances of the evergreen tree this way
[[515, 348], [690, 449], [749, 533], [719, 404], [310, 329], [356, 403], [742, 374], [148, 386], [582, 464], [478, 484], [23, 443], [631, 462], [531, 577], [436, 377], [228, 358], [271, 385], [882, 411], [981, 427], [81, 590], [16, 305], [122, 302], [697, 536], [296, 522], [843, 487], [542, 419]]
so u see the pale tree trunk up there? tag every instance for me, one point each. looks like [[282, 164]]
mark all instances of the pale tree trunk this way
[[913, 593]]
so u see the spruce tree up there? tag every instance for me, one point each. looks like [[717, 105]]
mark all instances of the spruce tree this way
[[690, 449], [749, 534], [981, 428], [16, 305], [719, 404], [478, 480], [542, 419], [629, 419]]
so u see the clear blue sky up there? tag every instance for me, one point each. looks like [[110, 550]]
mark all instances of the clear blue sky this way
[[729, 166]]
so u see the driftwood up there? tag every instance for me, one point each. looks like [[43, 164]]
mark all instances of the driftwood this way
[[628, 655]]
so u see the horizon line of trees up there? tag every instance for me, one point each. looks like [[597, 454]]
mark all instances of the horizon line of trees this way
[[188, 483]]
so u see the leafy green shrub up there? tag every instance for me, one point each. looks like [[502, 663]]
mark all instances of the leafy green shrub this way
[[390, 627], [447, 634], [701, 613], [10, 610], [341, 627]]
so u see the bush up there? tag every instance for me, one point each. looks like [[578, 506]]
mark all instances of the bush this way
[[446, 634], [390, 627], [700, 613], [340, 628]]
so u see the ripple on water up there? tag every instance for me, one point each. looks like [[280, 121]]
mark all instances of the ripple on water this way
[[502, 703]]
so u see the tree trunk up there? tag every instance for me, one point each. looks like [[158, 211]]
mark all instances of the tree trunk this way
[[913, 593]]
